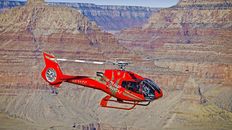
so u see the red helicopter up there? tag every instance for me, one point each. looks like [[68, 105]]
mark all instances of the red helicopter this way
[[127, 87]]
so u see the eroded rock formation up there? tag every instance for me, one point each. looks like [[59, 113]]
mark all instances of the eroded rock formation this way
[[190, 39], [189, 61], [108, 17], [29, 30]]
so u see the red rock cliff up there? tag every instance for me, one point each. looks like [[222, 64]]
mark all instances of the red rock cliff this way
[[29, 30], [192, 37]]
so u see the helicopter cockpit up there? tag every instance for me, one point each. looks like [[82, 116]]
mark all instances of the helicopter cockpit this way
[[146, 87]]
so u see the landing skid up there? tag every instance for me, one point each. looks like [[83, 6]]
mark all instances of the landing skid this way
[[106, 99]]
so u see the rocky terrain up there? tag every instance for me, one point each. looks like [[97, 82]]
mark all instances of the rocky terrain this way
[[26, 32], [114, 18], [200, 23], [108, 17], [187, 52], [189, 37], [193, 39], [29, 30]]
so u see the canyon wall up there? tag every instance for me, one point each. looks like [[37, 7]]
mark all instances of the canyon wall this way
[[191, 42], [184, 35], [185, 49], [29, 30], [114, 18], [108, 17]]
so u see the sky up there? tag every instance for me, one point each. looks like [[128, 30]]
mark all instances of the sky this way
[[148, 3]]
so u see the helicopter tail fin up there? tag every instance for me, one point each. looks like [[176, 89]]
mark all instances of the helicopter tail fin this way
[[52, 72]]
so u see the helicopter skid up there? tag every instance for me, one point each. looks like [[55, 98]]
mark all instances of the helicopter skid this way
[[106, 99]]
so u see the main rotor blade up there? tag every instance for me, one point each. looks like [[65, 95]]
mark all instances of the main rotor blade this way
[[82, 61]]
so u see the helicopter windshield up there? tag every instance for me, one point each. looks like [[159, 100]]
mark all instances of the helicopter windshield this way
[[148, 89]]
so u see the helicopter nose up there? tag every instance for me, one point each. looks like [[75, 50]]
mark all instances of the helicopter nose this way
[[158, 94]]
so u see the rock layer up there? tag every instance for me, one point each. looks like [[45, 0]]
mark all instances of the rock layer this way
[[193, 39], [195, 77], [29, 30], [109, 18]]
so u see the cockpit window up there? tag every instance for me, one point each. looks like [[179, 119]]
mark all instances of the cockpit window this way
[[146, 87], [149, 88], [152, 84]]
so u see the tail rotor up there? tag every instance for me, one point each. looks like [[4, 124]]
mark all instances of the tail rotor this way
[[52, 72]]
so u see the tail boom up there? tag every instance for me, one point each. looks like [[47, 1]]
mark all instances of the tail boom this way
[[54, 76]]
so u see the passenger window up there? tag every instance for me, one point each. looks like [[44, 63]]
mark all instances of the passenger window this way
[[132, 86]]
